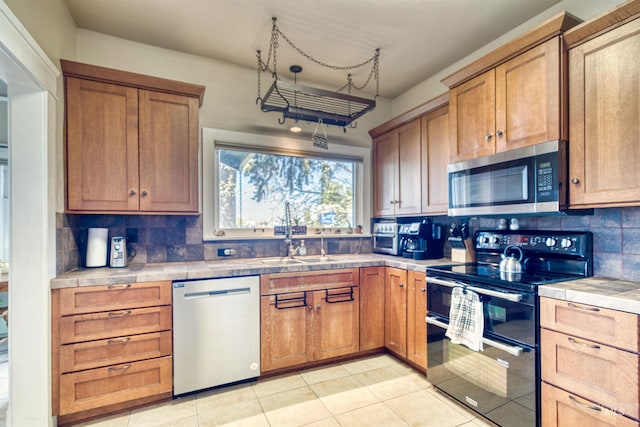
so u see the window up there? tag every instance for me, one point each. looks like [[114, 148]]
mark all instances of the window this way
[[248, 178]]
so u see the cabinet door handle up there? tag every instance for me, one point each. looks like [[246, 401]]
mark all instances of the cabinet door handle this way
[[122, 368], [119, 313], [132, 192], [144, 192], [499, 133], [119, 286], [402, 285], [488, 137], [584, 405], [310, 307], [575, 181], [572, 305], [119, 341], [423, 289], [585, 344], [318, 307]]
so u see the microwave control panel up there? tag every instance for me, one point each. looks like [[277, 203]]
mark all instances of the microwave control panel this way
[[546, 177]]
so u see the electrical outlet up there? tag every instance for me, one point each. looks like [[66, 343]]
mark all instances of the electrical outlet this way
[[226, 251]]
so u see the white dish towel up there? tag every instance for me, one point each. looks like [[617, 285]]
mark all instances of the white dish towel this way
[[466, 320]]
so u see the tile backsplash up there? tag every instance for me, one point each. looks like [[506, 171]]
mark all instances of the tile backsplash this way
[[165, 238]]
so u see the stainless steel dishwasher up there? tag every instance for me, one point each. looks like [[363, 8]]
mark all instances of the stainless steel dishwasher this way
[[216, 332]]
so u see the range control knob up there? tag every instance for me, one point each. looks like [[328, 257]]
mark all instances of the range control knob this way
[[495, 240], [551, 242], [566, 243]]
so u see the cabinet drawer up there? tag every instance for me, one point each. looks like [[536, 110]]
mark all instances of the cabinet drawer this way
[[308, 281], [112, 351], [90, 299], [611, 327], [95, 388], [95, 326], [561, 408], [604, 374]]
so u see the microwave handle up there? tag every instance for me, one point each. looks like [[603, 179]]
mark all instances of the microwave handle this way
[[511, 349], [504, 295]]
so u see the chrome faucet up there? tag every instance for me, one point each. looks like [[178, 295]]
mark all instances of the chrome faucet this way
[[288, 236]]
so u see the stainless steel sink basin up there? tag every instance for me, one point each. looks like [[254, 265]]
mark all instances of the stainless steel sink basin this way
[[281, 261], [311, 259]]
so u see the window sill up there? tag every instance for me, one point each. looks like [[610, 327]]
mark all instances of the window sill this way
[[228, 237]]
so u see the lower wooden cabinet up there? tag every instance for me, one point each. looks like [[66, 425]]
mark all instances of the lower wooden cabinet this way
[[111, 347], [85, 390], [562, 408], [316, 318], [395, 311], [371, 307], [416, 314]]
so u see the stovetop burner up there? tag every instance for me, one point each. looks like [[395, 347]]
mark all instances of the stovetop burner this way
[[548, 257]]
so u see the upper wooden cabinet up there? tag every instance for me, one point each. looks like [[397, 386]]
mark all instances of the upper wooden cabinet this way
[[396, 159], [131, 142], [604, 93], [410, 156], [513, 97]]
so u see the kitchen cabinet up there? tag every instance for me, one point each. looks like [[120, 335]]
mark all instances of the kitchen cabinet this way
[[416, 314], [512, 97], [132, 142], [435, 158], [604, 99], [395, 311], [308, 316], [372, 307], [396, 161], [111, 348], [590, 364]]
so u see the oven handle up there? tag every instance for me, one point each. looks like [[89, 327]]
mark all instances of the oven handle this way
[[511, 349], [504, 295]]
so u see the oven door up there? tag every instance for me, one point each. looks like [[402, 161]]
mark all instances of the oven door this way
[[498, 382]]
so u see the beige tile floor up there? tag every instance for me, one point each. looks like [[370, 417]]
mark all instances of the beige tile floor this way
[[373, 391]]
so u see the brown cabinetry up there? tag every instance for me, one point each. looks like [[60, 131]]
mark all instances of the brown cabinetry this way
[[372, 307], [590, 363], [395, 311], [604, 105], [435, 158], [518, 103], [416, 314], [308, 316], [131, 142], [112, 346], [396, 162]]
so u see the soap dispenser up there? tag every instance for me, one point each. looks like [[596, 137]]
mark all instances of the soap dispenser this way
[[303, 249]]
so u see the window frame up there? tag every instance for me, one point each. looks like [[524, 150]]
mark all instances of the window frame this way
[[279, 145]]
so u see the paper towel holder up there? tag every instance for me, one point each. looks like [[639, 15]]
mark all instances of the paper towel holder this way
[[97, 243]]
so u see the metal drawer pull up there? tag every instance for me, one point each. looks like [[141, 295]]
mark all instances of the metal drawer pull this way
[[586, 344], [119, 341], [125, 367], [511, 349], [119, 286], [119, 314], [572, 305], [489, 292], [585, 405]]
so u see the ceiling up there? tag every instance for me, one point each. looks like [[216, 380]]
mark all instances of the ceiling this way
[[417, 38]]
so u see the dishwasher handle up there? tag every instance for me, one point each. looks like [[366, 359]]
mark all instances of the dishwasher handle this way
[[217, 293]]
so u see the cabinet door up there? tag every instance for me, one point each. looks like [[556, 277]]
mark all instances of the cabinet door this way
[[408, 196], [472, 113], [395, 311], [286, 330], [371, 307], [385, 170], [168, 152], [102, 146], [604, 94], [598, 372], [561, 408], [435, 158], [529, 97], [416, 313], [335, 322]]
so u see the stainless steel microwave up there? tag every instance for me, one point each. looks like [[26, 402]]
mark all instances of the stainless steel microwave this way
[[528, 180]]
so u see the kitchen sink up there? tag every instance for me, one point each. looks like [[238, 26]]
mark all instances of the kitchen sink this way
[[281, 261], [311, 259]]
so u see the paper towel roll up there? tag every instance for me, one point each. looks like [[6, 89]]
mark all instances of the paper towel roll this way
[[97, 247]]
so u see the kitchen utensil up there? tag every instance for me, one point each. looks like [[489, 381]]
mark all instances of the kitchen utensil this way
[[510, 264], [118, 258]]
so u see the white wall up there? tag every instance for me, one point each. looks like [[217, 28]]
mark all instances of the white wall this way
[[432, 87]]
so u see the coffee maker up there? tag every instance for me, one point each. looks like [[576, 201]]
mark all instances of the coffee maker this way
[[421, 240]]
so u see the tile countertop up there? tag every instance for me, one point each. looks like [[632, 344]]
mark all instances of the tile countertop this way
[[226, 268], [598, 291]]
